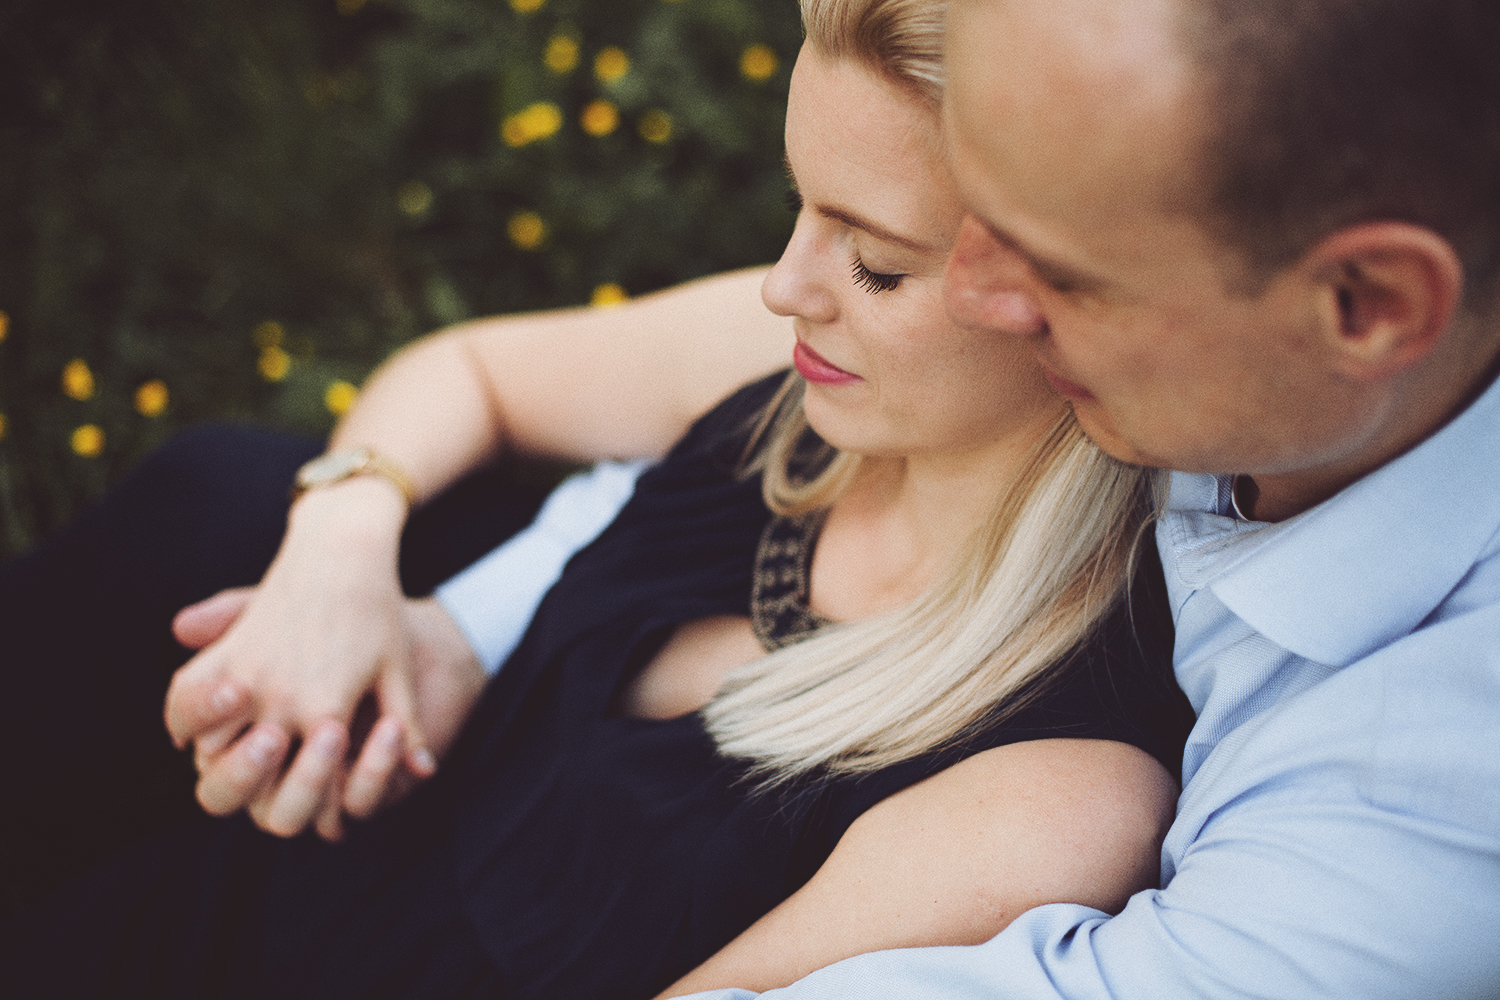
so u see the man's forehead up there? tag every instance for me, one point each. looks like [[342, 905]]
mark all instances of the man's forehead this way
[[1070, 109], [1061, 66], [1106, 29]]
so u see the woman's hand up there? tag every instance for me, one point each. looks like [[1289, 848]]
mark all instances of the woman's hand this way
[[294, 658], [239, 768]]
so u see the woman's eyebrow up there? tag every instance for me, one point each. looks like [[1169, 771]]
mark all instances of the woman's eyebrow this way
[[876, 230], [857, 221]]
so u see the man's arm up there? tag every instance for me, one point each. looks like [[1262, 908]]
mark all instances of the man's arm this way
[[956, 857], [1345, 845], [493, 601]]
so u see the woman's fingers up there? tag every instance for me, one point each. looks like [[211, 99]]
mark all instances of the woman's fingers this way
[[370, 779], [228, 782], [299, 798]]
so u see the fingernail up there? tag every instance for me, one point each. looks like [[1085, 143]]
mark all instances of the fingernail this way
[[388, 735], [328, 743], [226, 697], [424, 760], [262, 746]]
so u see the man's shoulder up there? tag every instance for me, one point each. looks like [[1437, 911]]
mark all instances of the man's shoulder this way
[[1408, 730]]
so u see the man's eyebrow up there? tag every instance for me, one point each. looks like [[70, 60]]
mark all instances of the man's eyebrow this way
[[856, 221], [1059, 276]]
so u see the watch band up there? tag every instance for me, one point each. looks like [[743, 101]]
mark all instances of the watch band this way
[[346, 463]]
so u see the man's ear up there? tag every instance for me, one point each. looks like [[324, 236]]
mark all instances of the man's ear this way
[[1389, 292]]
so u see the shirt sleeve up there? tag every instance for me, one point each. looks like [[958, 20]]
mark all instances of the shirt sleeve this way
[[1346, 845], [494, 599]]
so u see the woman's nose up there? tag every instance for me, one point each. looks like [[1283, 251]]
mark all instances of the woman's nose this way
[[798, 283], [985, 286]]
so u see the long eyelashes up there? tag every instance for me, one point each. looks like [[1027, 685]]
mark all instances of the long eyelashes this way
[[873, 281]]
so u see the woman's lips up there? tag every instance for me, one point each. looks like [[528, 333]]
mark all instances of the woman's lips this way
[[819, 369], [815, 368], [1066, 389]]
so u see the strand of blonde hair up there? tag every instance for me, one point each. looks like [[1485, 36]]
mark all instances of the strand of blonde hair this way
[[1048, 564]]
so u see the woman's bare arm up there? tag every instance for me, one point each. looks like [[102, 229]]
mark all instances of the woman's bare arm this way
[[954, 859], [578, 384], [328, 623]]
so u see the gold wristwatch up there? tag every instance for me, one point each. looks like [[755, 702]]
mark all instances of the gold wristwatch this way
[[337, 466]]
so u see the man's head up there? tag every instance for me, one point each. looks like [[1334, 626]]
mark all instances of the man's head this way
[[1245, 235]]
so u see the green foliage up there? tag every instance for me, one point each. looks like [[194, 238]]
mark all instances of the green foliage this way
[[204, 193]]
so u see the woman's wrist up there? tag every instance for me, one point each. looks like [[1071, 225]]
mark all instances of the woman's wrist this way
[[367, 512]]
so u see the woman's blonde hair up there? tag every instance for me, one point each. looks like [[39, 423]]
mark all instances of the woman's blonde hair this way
[[1050, 562]]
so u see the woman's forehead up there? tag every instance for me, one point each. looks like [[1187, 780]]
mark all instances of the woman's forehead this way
[[871, 147]]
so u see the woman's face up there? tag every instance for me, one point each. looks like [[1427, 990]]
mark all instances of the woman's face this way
[[888, 373]]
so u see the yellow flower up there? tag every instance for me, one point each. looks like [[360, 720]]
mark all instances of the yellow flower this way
[[274, 363], [152, 398], [656, 126], [562, 54], [88, 441], [4, 324], [758, 63], [339, 396], [77, 380], [600, 118], [607, 295], [539, 121], [611, 64], [526, 6], [348, 7], [268, 334], [414, 198], [527, 230]]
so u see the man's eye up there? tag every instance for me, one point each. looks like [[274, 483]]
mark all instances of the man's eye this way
[[873, 281]]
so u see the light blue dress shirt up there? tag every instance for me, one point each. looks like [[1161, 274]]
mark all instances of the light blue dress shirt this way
[[494, 600], [1338, 834]]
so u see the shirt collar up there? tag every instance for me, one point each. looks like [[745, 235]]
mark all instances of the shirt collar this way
[[1368, 565]]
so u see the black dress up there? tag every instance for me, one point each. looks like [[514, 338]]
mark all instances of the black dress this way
[[564, 850]]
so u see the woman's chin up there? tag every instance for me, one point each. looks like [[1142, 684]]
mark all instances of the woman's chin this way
[[854, 433]]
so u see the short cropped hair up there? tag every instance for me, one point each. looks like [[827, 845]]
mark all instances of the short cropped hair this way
[[1328, 113]]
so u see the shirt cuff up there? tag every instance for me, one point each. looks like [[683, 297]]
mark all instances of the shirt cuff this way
[[494, 600]]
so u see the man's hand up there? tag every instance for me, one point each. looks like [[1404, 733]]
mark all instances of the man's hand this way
[[447, 681]]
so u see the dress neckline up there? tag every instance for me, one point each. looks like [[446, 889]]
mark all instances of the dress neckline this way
[[779, 612]]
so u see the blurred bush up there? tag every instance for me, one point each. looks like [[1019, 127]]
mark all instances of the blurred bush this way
[[235, 208]]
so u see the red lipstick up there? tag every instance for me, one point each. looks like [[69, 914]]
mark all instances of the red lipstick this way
[[815, 368], [1066, 389]]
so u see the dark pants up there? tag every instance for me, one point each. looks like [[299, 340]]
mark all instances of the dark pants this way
[[86, 650]]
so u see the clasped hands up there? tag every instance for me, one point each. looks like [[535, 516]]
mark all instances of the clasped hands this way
[[323, 693]]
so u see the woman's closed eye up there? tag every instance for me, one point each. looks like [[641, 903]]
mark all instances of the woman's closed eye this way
[[873, 281]]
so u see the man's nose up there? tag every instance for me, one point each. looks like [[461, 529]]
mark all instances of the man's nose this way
[[985, 286]]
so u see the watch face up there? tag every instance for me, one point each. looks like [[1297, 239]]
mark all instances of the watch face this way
[[332, 467]]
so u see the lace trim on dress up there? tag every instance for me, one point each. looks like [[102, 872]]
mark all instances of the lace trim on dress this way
[[779, 614]]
